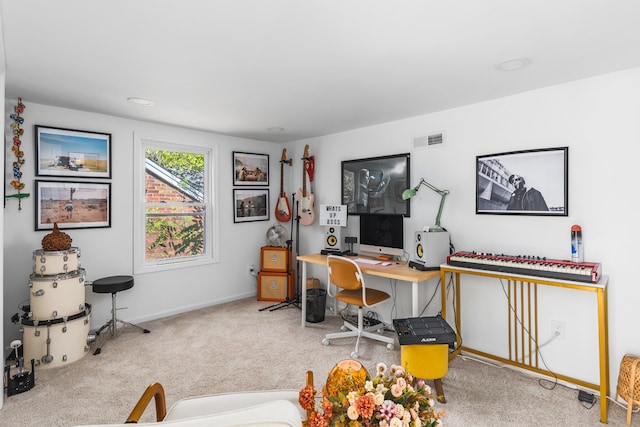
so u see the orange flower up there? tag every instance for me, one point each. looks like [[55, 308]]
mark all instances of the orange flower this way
[[365, 406], [317, 420], [306, 397]]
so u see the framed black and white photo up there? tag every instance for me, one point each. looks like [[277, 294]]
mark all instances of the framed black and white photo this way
[[374, 185], [72, 204], [72, 153], [250, 169], [528, 182], [250, 204]]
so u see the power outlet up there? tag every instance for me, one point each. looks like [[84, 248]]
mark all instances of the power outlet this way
[[557, 329]]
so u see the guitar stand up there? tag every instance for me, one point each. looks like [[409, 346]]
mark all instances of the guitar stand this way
[[295, 301]]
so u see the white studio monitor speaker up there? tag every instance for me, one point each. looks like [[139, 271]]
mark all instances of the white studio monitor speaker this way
[[431, 249], [333, 239]]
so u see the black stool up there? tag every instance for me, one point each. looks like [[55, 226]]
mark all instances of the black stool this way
[[112, 285]]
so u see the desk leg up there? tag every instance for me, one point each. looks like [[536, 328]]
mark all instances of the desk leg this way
[[415, 310], [603, 338], [303, 297]]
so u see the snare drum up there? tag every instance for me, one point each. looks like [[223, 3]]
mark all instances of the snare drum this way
[[57, 342], [53, 297], [60, 262]]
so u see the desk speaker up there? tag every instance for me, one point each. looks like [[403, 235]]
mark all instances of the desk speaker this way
[[431, 248], [333, 238]]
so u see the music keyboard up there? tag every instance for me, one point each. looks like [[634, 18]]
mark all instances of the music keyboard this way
[[532, 266]]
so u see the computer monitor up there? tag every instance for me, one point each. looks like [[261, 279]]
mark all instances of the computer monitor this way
[[382, 234]]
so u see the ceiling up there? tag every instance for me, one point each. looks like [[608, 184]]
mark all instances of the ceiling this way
[[308, 67]]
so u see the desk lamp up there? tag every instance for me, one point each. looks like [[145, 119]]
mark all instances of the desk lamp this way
[[411, 192]]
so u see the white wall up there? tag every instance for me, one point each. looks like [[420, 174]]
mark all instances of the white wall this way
[[597, 119], [109, 251]]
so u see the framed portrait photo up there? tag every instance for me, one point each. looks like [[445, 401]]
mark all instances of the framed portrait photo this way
[[72, 153], [250, 169], [72, 204], [250, 205], [529, 182]]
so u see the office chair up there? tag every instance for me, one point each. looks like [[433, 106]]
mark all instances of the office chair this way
[[345, 274]]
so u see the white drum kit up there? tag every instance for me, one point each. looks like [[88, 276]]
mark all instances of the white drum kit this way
[[55, 325]]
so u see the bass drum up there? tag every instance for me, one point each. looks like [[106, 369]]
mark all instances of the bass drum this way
[[60, 262], [57, 342], [58, 296]]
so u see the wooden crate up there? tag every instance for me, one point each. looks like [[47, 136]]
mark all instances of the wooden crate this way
[[275, 286], [275, 259]]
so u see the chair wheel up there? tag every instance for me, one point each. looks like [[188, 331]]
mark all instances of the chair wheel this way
[[325, 341], [343, 328], [354, 355], [390, 346], [380, 331]]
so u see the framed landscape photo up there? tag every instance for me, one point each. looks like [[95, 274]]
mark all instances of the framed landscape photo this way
[[250, 169], [72, 204], [529, 182], [250, 205], [72, 153]]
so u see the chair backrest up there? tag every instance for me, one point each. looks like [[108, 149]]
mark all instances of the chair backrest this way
[[344, 273]]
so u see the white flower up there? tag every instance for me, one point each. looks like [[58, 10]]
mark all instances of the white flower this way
[[378, 399], [399, 411], [368, 385], [381, 368], [351, 397], [380, 388], [401, 383], [396, 390], [395, 422], [352, 413]]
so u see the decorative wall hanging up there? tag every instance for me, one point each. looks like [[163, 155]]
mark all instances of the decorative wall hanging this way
[[16, 183], [72, 153]]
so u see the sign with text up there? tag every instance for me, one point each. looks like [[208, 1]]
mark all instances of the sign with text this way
[[335, 215]]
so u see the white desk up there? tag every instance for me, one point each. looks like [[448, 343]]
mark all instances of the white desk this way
[[397, 271]]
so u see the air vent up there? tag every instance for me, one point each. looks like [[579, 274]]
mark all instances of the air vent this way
[[428, 140]]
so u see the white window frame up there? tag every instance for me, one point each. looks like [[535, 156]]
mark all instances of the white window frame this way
[[210, 256]]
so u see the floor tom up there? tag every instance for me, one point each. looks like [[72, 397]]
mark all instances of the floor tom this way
[[57, 342]]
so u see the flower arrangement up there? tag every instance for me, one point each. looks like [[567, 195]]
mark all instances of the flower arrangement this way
[[351, 399]]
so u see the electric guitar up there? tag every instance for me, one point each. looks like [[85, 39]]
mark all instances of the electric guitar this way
[[283, 209], [305, 200]]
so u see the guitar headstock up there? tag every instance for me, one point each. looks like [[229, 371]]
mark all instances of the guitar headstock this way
[[305, 156], [284, 158]]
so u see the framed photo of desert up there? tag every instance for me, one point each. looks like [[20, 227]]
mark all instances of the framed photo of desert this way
[[72, 153], [528, 182], [72, 204], [250, 169], [250, 204]]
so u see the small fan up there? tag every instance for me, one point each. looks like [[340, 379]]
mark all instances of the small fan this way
[[277, 235]]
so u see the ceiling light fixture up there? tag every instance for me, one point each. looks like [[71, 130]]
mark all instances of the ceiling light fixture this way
[[140, 101], [512, 64], [275, 129]]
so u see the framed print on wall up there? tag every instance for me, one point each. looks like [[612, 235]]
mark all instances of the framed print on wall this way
[[72, 204], [250, 169], [529, 182], [72, 153], [374, 185], [250, 205]]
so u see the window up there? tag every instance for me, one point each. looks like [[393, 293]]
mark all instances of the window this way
[[174, 209]]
